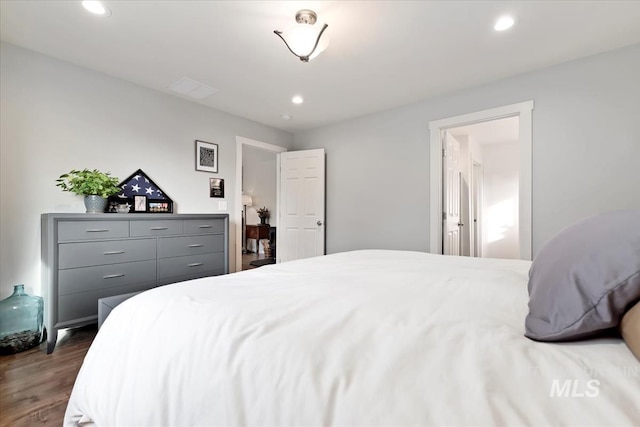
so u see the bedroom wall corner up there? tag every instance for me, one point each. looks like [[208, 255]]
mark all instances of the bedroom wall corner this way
[[57, 116], [585, 150]]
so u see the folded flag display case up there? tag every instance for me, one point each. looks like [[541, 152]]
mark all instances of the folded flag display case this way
[[140, 195]]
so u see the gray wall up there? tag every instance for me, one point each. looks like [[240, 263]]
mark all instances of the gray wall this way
[[586, 146], [57, 116]]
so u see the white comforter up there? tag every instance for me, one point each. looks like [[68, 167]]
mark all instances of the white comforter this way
[[355, 339]]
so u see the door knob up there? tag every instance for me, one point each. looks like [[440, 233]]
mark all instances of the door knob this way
[[319, 223], [460, 224]]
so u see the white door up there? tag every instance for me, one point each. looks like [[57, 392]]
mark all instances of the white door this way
[[301, 205], [451, 194]]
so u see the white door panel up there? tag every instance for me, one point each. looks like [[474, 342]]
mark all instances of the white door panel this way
[[302, 187], [451, 195]]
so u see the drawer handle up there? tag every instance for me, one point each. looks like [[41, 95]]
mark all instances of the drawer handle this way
[[113, 276], [205, 226], [97, 230], [195, 245], [113, 252], [158, 228], [194, 264]]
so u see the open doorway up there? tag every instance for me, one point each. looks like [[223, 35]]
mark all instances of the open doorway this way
[[440, 130], [259, 203], [489, 188], [257, 166]]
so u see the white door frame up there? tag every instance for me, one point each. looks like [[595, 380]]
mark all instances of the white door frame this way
[[524, 111], [475, 211], [237, 212]]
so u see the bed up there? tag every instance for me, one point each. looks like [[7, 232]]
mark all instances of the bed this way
[[362, 338]]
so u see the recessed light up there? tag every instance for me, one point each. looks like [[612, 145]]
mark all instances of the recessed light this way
[[297, 99], [504, 23], [286, 117], [96, 7]]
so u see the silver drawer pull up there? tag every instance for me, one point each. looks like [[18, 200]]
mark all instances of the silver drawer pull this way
[[112, 276], [194, 264], [97, 230], [195, 245], [158, 228], [205, 226], [113, 252]]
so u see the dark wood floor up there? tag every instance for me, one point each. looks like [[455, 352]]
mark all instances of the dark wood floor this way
[[248, 257], [35, 386]]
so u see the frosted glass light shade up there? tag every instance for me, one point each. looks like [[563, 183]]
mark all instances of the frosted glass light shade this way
[[246, 200], [302, 38]]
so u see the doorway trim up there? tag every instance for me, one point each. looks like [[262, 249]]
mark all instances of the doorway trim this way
[[237, 211], [524, 111], [476, 217]]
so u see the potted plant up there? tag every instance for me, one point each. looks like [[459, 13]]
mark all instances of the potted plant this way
[[94, 185], [263, 213]]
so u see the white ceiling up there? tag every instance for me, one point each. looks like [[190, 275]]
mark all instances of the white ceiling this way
[[382, 54], [501, 131]]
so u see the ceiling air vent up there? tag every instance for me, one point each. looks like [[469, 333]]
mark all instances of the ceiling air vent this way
[[192, 88]]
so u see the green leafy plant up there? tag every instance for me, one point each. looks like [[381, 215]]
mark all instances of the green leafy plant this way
[[89, 182], [263, 212]]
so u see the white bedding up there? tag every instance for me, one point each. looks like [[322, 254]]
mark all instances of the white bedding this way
[[357, 339]]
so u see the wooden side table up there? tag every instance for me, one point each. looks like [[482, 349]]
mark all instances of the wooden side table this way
[[257, 232]]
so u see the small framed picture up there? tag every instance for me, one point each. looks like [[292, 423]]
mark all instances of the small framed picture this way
[[139, 203], [160, 206], [206, 156], [216, 187]]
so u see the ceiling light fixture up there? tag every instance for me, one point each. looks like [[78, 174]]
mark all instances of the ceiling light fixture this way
[[297, 99], [504, 23], [96, 7], [304, 39]]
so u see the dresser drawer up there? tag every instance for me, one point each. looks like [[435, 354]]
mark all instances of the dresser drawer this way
[[86, 279], [193, 265], [155, 228], [87, 230], [196, 226], [83, 305], [189, 245], [85, 254]]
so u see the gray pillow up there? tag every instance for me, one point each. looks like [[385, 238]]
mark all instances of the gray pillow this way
[[584, 279]]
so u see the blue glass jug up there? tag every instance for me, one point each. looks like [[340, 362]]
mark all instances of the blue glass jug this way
[[21, 318]]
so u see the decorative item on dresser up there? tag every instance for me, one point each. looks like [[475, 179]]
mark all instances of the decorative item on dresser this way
[[138, 193], [85, 258], [94, 185]]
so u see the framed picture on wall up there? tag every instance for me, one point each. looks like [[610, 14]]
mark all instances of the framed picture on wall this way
[[206, 156], [216, 187]]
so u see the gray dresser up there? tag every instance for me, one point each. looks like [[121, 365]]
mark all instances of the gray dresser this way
[[90, 256]]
